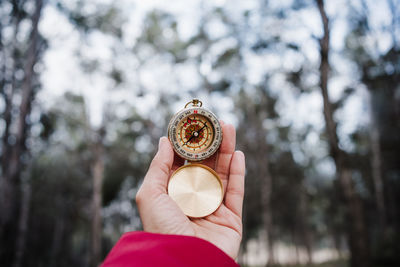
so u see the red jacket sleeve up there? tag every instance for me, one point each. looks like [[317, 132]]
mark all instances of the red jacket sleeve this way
[[148, 249]]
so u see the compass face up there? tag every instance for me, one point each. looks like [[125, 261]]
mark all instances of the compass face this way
[[195, 133]]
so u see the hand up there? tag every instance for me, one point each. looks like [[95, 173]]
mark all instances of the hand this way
[[160, 214]]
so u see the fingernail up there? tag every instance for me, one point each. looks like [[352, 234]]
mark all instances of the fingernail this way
[[241, 153], [159, 143]]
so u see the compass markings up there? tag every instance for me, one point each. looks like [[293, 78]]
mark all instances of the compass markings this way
[[194, 134]]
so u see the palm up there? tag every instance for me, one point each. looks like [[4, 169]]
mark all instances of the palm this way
[[223, 228]]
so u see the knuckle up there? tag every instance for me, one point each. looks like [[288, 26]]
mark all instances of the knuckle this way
[[160, 164], [164, 168], [236, 192]]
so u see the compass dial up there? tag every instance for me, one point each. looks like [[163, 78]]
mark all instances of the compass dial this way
[[195, 133]]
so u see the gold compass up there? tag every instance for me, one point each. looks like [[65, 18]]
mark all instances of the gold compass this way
[[195, 134]]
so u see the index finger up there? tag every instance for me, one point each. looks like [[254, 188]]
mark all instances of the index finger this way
[[235, 190], [225, 153]]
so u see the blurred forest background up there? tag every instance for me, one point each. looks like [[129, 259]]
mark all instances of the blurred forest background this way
[[313, 87]]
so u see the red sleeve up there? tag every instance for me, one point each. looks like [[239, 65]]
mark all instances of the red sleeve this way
[[148, 249]]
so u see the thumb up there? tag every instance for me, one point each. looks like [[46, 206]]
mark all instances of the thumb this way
[[160, 167]]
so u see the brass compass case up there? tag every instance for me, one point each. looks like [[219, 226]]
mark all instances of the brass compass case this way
[[195, 134]]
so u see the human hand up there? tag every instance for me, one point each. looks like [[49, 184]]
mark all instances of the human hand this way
[[160, 214]]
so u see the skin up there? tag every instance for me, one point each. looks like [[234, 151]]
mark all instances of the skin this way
[[160, 214]]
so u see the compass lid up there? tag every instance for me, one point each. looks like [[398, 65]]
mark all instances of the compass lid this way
[[196, 189]]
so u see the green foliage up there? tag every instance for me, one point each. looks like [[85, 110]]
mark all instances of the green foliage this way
[[226, 57], [104, 18]]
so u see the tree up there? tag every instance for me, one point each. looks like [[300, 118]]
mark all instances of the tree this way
[[379, 73], [97, 176], [357, 233], [258, 164], [12, 152]]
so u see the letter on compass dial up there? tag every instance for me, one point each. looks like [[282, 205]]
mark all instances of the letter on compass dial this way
[[195, 133]]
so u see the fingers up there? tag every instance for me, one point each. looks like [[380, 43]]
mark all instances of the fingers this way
[[225, 152], [235, 189], [159, 170]]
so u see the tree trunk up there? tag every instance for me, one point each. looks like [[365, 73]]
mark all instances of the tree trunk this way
[[23, 220], [262, 151], [336, 240], [97, 175], [295, 242], [356, 228], [11, 159], [57, 240], [15, 164], [266, 191], [7, 188], [9, 78], [266, 186], [376, 164], [357, 233], [27, 95], [305, 231]]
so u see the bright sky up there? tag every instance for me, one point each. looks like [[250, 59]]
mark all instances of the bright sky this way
[[62, 71]]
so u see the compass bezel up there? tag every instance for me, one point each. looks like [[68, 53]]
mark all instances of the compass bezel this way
[[177, 146]]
